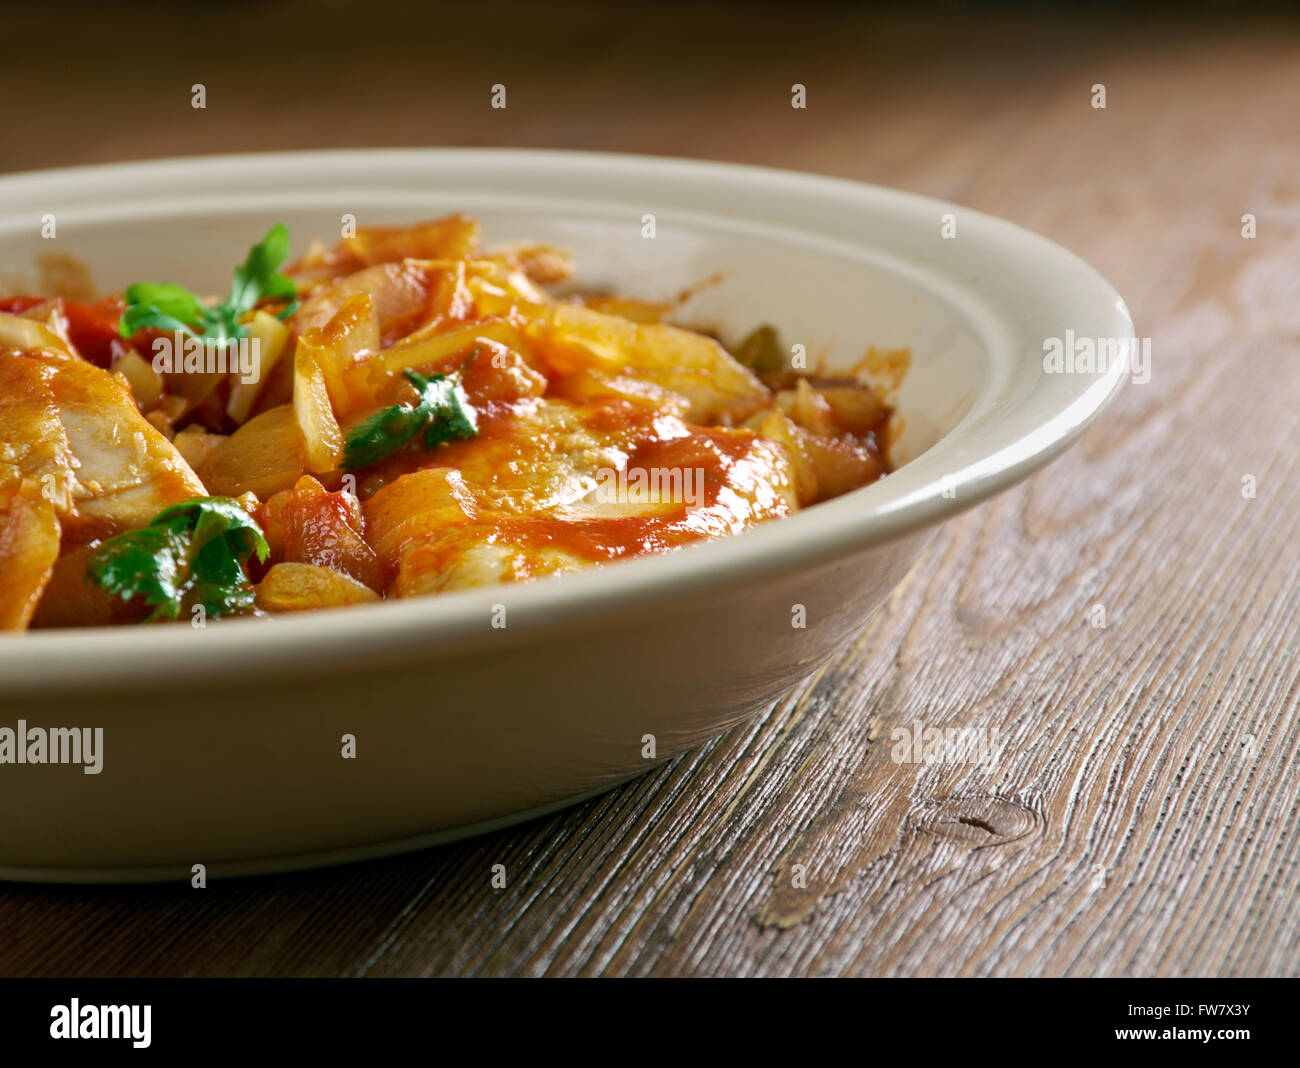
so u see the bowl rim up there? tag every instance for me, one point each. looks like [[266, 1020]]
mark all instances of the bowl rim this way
[[980, 456]]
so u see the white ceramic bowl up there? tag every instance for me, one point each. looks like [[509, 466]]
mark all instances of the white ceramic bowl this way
[[223, 746]]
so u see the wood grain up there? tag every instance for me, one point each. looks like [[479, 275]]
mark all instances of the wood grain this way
[[1142, 815]]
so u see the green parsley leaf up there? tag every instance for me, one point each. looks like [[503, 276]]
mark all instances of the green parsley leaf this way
[[174, 308], [258, 277], [761, 350], [166, 298], [442, 413], [190, 553]]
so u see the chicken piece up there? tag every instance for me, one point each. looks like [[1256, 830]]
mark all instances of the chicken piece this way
[[431, 534], [414, 509], [29, 546], [451, 561], [546, 453], [551, 486], [127, 471], [716, 387], [33, 444], [76, 431]]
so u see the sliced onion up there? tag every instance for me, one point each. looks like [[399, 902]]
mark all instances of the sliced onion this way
[[268, 336], [146, 383], [263, 456], [24, 334], [321, 435]]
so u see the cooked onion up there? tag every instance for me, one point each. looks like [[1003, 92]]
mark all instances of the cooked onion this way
[[263, 456], [269, 336], [321, 435], [293, 587]]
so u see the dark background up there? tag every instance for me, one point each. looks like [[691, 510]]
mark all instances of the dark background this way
[[89, 83]]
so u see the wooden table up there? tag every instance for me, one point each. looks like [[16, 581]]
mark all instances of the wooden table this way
[[1143, 817]]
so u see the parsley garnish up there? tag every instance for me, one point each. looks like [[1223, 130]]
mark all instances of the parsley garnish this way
[[442, 412], [174, 308], [190, 553]]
